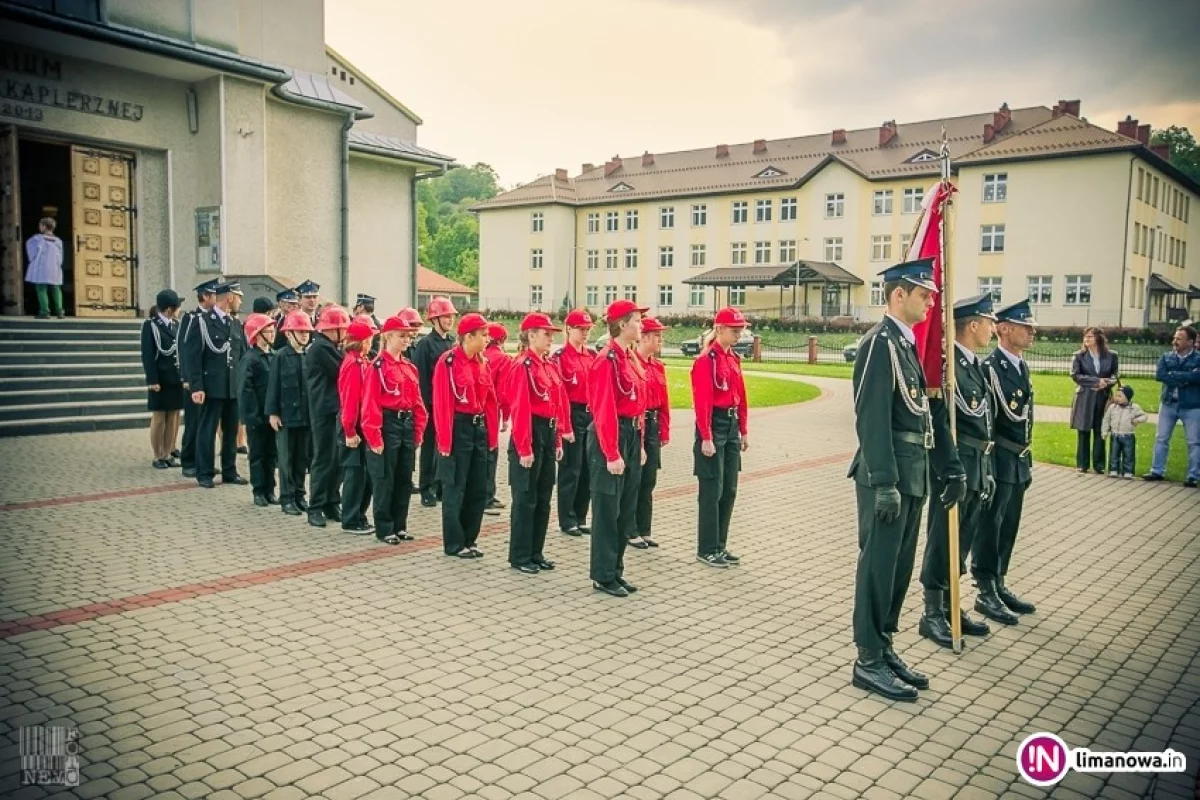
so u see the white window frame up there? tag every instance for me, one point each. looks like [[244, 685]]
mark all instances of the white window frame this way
[[737, 295], [536, 258], [877, 298], [666, 295], [591, 296], [1078, 285], [737, 253], [610, 293], [834, 249], [741, 212], [993, 286], [905, 243], [787, 209], [835, 205], [762, 252], [631, 220], [699, 255], [593, 259], [913, 198], [612, 258], [630, 292], [1040, 289], [631, 258], [991, 239], [881, 202], [666, 217], [612, 221], [762, 210], [697, 297], [535, 295], [995, 187], [787, 251], [593, 222], [700, 215], [666, 257], [881, 247], [539, 221]]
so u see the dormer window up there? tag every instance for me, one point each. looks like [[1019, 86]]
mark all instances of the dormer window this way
[[770, 172], [923, 157], [621, 187]]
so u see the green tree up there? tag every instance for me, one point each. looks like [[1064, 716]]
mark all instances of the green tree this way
[[1184, 154], [453, 239], [448, 234], [424, 238]]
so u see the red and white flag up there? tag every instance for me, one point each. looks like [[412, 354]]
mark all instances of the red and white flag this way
[[927, 243]]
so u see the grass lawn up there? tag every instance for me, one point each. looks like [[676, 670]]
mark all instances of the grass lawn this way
[[760, 391], [1054, 443], [820, 370]]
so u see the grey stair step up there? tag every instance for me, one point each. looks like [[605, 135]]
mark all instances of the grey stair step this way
[[18, 337], [104, 422], [38, 411], [58, 355], [69, 383], [76, 367], [130, 323], [69, 395]]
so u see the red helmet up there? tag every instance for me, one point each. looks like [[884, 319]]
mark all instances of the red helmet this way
[[369, 321], [295, 322], [579, 319], [359, 332], [440, 307], [497, 333], [731, 318], [333, 317], [255, 324], [471, 323], [411, 316], [651, 325]]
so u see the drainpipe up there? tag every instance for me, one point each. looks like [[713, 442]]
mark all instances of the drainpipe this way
[[412, 188], [345, 214]]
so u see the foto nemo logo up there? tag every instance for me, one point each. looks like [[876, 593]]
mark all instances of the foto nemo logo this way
[[1042, 759]]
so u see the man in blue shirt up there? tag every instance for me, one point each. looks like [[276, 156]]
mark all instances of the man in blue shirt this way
[[1179, 373]]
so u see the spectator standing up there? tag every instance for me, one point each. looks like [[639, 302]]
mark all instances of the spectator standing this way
[[1179, 373], [1094, 370]]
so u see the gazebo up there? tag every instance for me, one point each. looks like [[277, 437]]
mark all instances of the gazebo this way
[[832, 295]]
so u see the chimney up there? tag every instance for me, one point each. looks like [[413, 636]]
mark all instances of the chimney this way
[[839, 136], [1057, 111], [1144, 134], [1128, 127], [588, 167], [760, 146], [887, 132], [1070, 107], [1162, 150], [989, 132], [722, 151], [612, 166], [647, 159], [560, 174], [1000, 118]]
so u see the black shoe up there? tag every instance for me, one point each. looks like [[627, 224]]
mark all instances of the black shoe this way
[[494, 503], [244, 450], [175, 454], [1189, 484], [173, 461], [543, 564], [650, 542], [236, 480], [586, 530], [990, 605], [491, 512], [639, 544], [159, 463], [970, 627], [272, 500], [189, 472], [463, 553], [427, 499], [316, 518], [873, 675], [358, 529], [1150, 476], [730, 558], [290, 509], [629, 587], [1014, 603], [333, 514], [713, 560], [528, 569], [903, 671], [478, 553], [575, 531], [42, 316], [205, 483], [1081, 470], [612, 587], [933, 625], [302, 504], [260, 501]]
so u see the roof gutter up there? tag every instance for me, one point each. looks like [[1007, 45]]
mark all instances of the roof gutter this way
[[320, 105]]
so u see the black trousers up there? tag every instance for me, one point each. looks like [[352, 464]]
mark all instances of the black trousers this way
[[993, 547], [574, 489], [355, 482], [428, 479], [214, 413], [191, 424], [614, 500], [292, 445], [391, 473], [326, 469], [935, 567], [463, 478], [886, 553], [493, 463], [261, 441], [531, 491], [718, 476], [645, 503], [1091, 443]]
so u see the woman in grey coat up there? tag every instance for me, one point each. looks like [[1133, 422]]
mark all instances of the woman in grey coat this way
[[1094, 370]]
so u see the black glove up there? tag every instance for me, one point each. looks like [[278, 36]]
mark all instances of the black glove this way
[[955, 491], [989, 490], [887, 503]]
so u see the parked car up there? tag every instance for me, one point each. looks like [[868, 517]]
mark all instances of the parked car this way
[[850, 352], [744, 346]]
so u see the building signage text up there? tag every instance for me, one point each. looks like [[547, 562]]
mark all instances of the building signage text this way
[[19, 95]]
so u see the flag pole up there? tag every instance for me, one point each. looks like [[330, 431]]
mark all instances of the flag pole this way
[[949, 390]]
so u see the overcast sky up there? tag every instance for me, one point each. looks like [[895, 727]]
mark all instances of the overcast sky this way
[[531, 85]]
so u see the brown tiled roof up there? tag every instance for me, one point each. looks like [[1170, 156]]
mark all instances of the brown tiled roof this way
[[1065, 134], [430, 282]]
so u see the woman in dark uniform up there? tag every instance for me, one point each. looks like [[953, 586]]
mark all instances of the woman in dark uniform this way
[[658, 427], [160, 362], [1094, 370]]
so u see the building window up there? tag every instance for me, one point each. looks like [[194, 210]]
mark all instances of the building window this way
[[593, 220], [666, 296], [991, 239], [610, 258], [539, 221], [592, 296], [912, 200], [666, 257], [612, 221], [696, 296], [1137, 238], [835, 205], [737, 295], [905, 242], [631, 220], [1141, 182], [877, 298], [593, 259], [1079, 290], [1154, 193], [535, 296], [990, 286], [631, 292], [737, 253], [630, 258], [610, 294], [787, 209], [762, 210], [741, 211], [1041, 289], [666, 217], [1133, 285], [699, 216], [833, 249], [995, 187], [535, 261], [881, 248], [762, 252], [787, 251], [882, 203], [699, 255]]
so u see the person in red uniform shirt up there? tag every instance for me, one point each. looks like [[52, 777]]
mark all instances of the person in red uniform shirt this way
[[722, 434], [617, 396], [351, 381], [393, 422], [372, 349], [466, 420], [658, 426], [498, 363], [541, 419], [574, 360]]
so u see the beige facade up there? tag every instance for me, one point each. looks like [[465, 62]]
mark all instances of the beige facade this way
[[237, 132], [1047, 207]]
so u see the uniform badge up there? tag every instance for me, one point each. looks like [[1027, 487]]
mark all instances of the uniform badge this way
[[974, 403], [912, 392], [1020, 393], [1013, 405]]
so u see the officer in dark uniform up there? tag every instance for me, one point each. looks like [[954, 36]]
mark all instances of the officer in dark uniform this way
[[425, 355], [212, 347], [322, 365], [1012, 397], [263, 305], [310, 299], [974, 324], [205, 298], [286, 302], [896, 433], [365, 304]]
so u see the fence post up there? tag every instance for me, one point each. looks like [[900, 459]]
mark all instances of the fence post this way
[[756, 349], [812, 349]]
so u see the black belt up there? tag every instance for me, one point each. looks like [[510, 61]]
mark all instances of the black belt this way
[[1021, 450], [635, 422], [550, 421], [399, 413], [923, 439], [473, 419], [978, 444], [579, 407], [725, 412], [652, 414]]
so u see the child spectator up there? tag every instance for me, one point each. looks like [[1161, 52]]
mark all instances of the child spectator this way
[[1120, 419]]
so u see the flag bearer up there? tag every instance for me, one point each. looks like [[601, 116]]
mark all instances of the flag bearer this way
[[574, 360], [658, 427]]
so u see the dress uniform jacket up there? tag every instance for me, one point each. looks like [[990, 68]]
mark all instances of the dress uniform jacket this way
[[973, 420], [210, 358], [1012, 393], [323, 363], [254, 375], [287, 396], [160, 351], [185, 326], [425, 355]]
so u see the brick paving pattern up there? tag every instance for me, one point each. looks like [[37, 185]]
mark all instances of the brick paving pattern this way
[[225, 651]]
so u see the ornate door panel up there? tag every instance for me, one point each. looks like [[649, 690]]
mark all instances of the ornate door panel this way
[[12, 277], [105, 256]]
